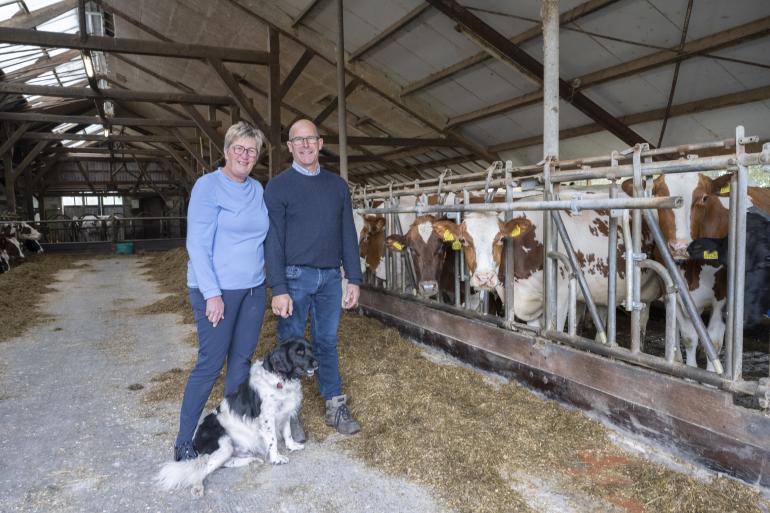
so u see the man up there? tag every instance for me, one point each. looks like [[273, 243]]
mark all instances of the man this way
[[311, 233]]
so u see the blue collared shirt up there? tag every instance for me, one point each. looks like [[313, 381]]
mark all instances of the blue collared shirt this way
[[297, 167]]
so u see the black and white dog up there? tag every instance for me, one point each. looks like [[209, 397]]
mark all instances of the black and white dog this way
[[245, 425]]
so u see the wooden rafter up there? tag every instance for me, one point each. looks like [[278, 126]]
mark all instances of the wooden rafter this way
[[113, 94], [697, 48], [131, 46], [205, 127], [574, 14], [296, 71], [238, 95], [389, 31], [55, 136], [482, 33], [332, 105], [372, 78]]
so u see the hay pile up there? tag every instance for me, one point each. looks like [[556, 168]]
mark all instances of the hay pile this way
[[21, 289], [445, 426]]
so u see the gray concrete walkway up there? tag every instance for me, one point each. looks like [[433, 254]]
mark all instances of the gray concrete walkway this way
[[76, 439]]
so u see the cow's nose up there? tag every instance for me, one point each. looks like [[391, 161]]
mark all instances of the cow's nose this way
[[679, 249], [428, 288], [485, 279]]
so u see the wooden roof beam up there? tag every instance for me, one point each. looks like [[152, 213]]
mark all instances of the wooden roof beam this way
[[483, 34], [389, 31], [372, 78], [717, 102], [93, 120], [240, 98], [53, 136], [131, 46], [697, 48], [574, 14], [113, 94]]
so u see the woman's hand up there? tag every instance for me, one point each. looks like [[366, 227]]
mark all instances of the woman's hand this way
[[215, 310]]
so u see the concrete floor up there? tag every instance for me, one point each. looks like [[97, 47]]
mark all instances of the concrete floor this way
[[76, 439]]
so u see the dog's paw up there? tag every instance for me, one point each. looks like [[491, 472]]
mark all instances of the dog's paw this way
[[294, 446], [197, 490], [279, 459]]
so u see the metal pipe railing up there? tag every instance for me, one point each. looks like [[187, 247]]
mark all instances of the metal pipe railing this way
[[573, 205], [672, 346], [684, 293], [578, 272], [612, 273], [572, 301]]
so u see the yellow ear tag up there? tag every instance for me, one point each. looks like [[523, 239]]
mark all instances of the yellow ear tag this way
[[710, 255], [398, 246], [725, 189], [457, 245], [516, 231], [448, 237]]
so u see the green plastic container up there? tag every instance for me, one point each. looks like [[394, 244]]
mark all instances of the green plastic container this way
[[124, 248]]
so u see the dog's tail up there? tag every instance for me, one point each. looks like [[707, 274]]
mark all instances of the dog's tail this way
[[182, 474]]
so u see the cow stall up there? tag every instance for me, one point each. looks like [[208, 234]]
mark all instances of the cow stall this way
[[715, 414]]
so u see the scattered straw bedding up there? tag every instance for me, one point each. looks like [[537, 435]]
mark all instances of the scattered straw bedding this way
[[22, 287], [446, 427]]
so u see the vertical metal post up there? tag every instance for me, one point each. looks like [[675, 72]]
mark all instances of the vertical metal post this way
[[636, 237], [341, 107], [731, 251], [466, 271], [612, 263], [739, 267], [549, 12], [509, 263]]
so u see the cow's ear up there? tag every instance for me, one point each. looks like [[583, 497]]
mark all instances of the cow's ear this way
[[721, 185], [628, 186], [448, 231], [396, 242], [379, 224], [516, 228]]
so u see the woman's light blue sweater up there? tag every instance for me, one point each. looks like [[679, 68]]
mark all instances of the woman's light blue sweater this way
[[226, 226]]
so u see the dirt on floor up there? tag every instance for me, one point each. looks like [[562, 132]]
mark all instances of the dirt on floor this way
[[21, 289], [483, 444]]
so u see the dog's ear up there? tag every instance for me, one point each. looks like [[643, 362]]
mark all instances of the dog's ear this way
[[279, 359]]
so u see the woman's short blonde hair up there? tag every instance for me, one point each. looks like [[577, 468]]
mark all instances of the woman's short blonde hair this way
[[243, 129]]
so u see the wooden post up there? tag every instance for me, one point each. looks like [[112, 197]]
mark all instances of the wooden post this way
[[274, 103], [10, 190], [341, 106]]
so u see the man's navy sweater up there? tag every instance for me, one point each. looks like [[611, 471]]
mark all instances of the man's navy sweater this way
[[311, 224]]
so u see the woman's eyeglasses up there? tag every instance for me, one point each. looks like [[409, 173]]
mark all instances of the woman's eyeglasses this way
[[238, 150]]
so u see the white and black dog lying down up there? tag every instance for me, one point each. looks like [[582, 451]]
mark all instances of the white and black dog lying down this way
[[246, 424]]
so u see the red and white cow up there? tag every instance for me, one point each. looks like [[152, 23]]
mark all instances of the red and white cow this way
[[704, 214], [482, 234]]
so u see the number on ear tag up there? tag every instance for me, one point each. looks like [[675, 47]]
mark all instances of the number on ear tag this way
[[516, 231], [448, 237], [710, 255], [725, 189]]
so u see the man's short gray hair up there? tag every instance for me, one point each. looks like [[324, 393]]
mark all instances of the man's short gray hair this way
[[243, 129]]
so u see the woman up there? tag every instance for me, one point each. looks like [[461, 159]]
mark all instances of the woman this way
[[226, 227]]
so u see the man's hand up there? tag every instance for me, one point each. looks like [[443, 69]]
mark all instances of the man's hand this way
[[283, 305], [215, 310], [352, 291]]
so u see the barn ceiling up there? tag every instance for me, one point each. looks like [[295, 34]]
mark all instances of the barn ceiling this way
[[668, 72]]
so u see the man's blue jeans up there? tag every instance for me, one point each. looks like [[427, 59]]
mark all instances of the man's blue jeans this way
[[317, 292]]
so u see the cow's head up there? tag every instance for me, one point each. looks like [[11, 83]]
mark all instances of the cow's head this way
[[702, 214], [481, 236], [11, 246], [428, 246], [26, 231], [371, 241]]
